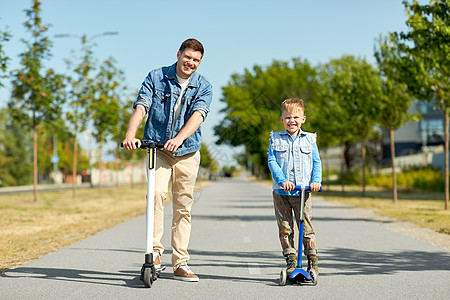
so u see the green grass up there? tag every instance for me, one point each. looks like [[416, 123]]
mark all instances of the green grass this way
[[425, 209]]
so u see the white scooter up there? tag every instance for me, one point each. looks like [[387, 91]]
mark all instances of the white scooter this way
[[148, 271]]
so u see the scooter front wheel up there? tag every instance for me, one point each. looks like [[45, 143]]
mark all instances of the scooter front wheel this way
[[148, 276], [283, 277]]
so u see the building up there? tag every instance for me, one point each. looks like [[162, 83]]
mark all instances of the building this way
[[426, 135]]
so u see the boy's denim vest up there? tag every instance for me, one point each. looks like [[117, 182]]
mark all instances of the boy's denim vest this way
[[159, 93], [299, 152]]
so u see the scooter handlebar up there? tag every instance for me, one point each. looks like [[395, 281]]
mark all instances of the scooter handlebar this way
[[148, 144], [307, 188]]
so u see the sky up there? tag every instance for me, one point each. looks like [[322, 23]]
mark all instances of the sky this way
[[236, 35]]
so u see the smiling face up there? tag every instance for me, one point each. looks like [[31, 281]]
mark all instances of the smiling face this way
[[188, 62], [293, 120]]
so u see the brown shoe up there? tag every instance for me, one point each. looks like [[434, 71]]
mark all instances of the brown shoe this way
[[313, 263], [184, 273], [291, 263]]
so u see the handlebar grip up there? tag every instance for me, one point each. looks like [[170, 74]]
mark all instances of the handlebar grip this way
[[148, 144], [121, 145], [307, 188]]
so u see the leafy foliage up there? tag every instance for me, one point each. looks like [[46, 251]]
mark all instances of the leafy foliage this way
[[38, 94], [105, 107], [4, 37], [395, 97], [65, 149], [427, 179], [125, 113], [206, 161], [426, 60], [426, 49], [82, 90], [253, 102], [15, 152]]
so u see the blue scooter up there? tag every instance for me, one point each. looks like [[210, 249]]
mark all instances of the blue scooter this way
[[299, 275]]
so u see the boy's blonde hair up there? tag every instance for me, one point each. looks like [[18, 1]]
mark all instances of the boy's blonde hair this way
[[292, 104]]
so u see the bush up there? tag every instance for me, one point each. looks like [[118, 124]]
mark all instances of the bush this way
[[354, 177], [427, 178]]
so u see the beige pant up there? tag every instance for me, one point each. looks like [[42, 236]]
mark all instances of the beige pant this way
[[183, 171]]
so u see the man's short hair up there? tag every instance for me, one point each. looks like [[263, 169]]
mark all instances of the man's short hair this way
[[192, 44], [292, 104]]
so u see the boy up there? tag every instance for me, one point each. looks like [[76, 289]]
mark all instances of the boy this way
[[294, 160]]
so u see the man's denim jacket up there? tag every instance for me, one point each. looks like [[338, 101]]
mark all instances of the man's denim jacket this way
[[159, 93], [294, 159]]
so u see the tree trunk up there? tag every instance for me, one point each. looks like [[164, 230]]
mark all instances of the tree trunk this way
[[342, 167], [117, 169], [394, 174], [327, 168], [447, 116], [347, 156], [35, 165], [133, 158], [363, 157], [100, 165], [74, 166]]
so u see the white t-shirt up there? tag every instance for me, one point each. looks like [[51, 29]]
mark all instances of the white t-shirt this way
[[183, 82], [177, 109]]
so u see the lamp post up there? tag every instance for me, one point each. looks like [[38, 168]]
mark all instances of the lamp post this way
[[69, 35], [85, 43]]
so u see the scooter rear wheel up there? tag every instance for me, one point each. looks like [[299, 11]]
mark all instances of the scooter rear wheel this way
[[314, 276], [283, 277]]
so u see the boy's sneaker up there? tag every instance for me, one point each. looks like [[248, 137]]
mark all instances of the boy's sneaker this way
[[291, 263], [313, 263], [184, 273]]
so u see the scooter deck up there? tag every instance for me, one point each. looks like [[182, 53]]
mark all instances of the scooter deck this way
[[300, 275]]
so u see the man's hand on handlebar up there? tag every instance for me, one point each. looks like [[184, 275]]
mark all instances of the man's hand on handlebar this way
[[131, 143], [173, 144]]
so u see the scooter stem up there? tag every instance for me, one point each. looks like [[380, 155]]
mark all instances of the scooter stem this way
[[151, 156], [300, 225]]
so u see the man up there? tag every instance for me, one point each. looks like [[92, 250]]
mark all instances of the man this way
[[176, 100]]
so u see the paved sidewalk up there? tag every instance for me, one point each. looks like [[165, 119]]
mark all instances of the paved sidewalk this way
[[235, 251]]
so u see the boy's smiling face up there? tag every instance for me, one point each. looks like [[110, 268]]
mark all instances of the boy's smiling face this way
[[293, 120]]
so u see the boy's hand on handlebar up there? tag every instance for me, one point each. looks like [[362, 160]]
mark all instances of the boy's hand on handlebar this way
[[315, 187], [288, 186], [131, 143]]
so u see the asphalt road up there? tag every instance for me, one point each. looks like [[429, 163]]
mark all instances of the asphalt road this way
[[235, 251]]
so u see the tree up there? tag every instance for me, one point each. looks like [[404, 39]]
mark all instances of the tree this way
[[395, 99], [327, 116], [206, 160], [125, 113], [426, 56], [80, 99], [15, 160], [253, 102], [65, 149], [37, 94], [105, 107], [351, 96], [4, 37]]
